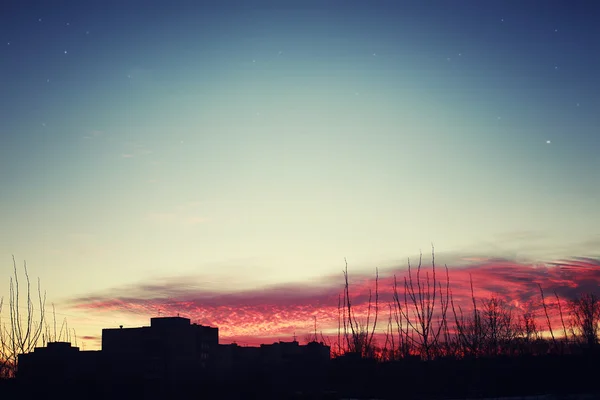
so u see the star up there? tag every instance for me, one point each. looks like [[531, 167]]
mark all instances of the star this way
[[501, 19], [280, 52], [556, 67], [556, 30], [577, 104], [253, 61], [48, 80], [374, 54], [548, 141], [43, 124], [8, 44], [87, 32], [459, 54], [39, 20], [68, 24], [65, 52]]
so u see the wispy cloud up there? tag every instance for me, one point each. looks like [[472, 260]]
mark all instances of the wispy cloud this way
[[90, 338], [93, 134], [279, 311], [136, 149], [182, 214]]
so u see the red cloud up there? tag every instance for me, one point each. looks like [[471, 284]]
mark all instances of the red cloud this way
[[279, 312]]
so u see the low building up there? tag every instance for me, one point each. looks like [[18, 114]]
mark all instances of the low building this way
[[233, 356], [170, 353], [273, 356], [58, 362]]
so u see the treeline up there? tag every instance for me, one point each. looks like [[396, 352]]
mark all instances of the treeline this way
[[422, 320]]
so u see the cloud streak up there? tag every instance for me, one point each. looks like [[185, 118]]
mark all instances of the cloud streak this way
[[183, 214], [278, 312]]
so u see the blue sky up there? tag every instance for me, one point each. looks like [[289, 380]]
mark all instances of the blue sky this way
[[261, 144]]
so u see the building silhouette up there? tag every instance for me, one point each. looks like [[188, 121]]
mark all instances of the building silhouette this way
[[171, 348], [174, 358], [58, 362], [279, 355], [170, 353]]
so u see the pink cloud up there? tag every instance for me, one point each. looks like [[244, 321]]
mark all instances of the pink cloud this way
[[270, 313]]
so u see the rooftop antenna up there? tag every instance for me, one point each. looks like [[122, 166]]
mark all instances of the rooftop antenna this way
[[294, 336]]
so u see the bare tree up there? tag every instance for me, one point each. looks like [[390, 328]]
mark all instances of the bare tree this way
[[339, 338], [424, 299], [547, 316], [528, 327], [360, 338], [370, 339], [308, 338], [562, 320], [352, 343], [526, 333], [585, 319], [4, 348], [389, 345], [499, 329], [469, 329], [23, 331], [403, 348]]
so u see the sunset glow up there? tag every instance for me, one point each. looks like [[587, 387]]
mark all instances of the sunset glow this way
[[220, 160], [282, 311]]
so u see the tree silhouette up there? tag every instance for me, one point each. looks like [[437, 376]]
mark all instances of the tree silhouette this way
[[360, 338], [425, 298], [585, 319], [23, 331]]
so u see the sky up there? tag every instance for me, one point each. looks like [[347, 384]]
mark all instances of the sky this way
[[222, 159]]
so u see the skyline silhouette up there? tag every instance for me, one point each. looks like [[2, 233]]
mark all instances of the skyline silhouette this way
[[173, 357], [260, 315], [220, 161]]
